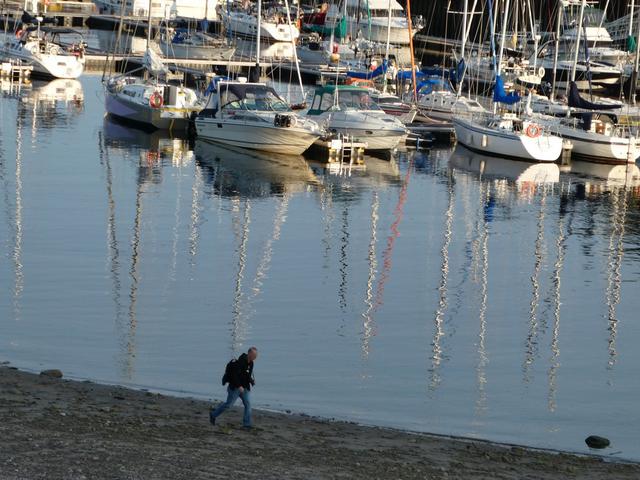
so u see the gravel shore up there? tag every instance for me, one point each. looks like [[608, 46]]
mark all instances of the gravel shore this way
[[63, 429]]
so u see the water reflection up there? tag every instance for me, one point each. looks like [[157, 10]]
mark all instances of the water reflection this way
[[235, 172], [513, 282], [154, 149], [526, 175], [531, 350], [51, 104], [561, 248], [150, 152], [242, 175], [17, 224], [436, 353], [368, 324]]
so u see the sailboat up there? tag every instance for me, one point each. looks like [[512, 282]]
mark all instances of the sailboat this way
[[556, 55], [593, 129], [242, 21], [39, 46], [373, 18], [154, 102], [506, 134], [252, 115]]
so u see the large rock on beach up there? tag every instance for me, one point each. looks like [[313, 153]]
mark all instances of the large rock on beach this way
[[52, 373], [594, 441]]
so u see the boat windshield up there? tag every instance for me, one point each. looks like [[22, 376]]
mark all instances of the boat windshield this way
[[355, 100], [251, 97]]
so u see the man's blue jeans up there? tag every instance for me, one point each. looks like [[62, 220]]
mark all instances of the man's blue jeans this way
[[232, 396]]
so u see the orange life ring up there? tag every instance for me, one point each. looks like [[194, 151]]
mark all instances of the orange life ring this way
[[533, 130], [155, 100], [19, 33]]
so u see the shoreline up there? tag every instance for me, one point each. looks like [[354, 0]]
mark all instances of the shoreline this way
[[65, 428]]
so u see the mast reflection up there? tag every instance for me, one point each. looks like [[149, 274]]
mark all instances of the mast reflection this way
[[368, 324], [436, 353]]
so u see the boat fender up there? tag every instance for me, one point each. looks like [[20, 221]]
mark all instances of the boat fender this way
[[533, 130], [155, 100]]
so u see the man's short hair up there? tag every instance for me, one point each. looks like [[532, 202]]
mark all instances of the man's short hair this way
[[252, 349]]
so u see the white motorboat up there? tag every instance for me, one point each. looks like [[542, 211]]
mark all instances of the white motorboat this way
[[39, 47], [350, 110], [253, 116], [185, 44], [243, 22]]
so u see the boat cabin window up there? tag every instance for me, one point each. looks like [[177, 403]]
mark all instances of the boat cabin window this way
[[383, 12], [327, 101], [356, 100], [251, 97]]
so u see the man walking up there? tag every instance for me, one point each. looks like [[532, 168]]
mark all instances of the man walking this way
[[240, 380]]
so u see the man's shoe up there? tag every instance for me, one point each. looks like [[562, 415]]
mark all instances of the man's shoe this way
[[212, 419]]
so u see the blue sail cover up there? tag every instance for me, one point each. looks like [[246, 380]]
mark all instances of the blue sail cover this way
[[381, 70], [500, 96], [408, 75], [576, 101]]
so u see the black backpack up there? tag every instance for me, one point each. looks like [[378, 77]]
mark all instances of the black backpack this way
[[228, 371]]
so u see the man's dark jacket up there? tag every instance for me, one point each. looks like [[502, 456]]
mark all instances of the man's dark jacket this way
[[242, 373]]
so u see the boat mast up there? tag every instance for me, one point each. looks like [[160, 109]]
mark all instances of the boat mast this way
[[258, 35], [504, 34], [555, 51], [578, 38], [631, 18], [536, 37], [464, 41], [149, 26], [413, 62], [386, 53], [634, 74], [293, 44]]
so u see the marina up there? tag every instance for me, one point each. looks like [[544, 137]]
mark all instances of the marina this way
[[424, 233]]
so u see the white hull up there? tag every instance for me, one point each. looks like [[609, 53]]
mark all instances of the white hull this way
[[241, 24], [56, 66], [164, 118], [374, 137], [267, 138], [517, 146], [176, 50], [399, 34], [599, 148]]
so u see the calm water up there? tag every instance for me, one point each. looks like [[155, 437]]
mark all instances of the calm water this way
[[461, 295]]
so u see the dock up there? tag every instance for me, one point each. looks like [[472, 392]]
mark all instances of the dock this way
[[15, 71]]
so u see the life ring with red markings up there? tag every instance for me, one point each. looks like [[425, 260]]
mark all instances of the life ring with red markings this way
[[533, 130], [156, 100]]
